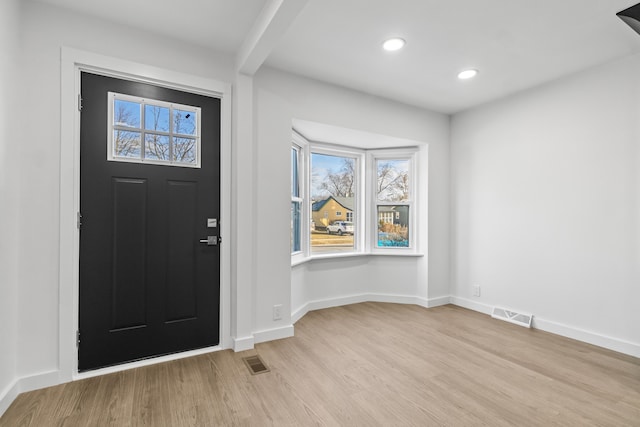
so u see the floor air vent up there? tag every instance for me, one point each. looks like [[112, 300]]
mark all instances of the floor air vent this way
[[255, 364], [512, 317]]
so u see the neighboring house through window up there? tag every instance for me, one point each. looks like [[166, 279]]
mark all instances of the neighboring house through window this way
[[394, 198]]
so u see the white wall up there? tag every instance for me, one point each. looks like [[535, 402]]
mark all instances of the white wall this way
[[9, 210], [546, 195], [44, 30], [280, 97]]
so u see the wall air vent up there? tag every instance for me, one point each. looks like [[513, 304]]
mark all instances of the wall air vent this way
[[632, 17], [512, 316]]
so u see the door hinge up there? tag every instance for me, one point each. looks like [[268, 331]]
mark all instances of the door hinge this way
[[78, 339], [79, 102], [79, 220]]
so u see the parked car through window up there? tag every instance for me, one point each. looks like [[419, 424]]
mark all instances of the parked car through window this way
[[340, 227]]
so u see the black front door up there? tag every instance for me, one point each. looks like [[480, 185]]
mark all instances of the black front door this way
[[148, 285]]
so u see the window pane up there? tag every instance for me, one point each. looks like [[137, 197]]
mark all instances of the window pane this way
[[393, 180], [333, 193], [295, 187], [156, 118], [126, 113], [184, 150], [296, 216], [156, 147], [126, 144], [146, 129], [184, 122], [393, 226]]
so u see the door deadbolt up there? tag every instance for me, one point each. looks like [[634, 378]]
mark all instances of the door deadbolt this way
[[211, 240]]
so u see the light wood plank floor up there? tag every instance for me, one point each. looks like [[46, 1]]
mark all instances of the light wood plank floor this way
[[364, 365]]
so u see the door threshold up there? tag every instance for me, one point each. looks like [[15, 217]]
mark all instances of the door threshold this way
[[145, 362]]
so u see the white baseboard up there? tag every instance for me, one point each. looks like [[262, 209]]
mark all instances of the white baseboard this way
[[37, 381], [273, 334], [359, 298], [326, 303], [8, 395], [23, 385], [398, 299], [471, 305], [437, 302], [299, 313], [615, 344], [243, 343]]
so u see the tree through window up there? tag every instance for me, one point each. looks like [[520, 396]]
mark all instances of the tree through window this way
[[393, 200]]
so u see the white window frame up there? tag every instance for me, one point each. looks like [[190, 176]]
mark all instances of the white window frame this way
[[301, 145], [359, 219], [410, 155], [366, 202], [111, 127]]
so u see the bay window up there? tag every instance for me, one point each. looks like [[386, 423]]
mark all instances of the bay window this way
[[351, 201]]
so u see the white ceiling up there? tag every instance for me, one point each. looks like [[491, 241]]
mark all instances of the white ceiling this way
[[220, 25], [516, 44]]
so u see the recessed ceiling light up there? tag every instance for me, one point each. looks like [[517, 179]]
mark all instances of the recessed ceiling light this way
[[393, 44], [467, 74]]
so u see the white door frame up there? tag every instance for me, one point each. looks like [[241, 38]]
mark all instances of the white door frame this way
[[73, 62]]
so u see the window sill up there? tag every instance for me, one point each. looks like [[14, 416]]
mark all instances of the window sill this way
[[300, 261]]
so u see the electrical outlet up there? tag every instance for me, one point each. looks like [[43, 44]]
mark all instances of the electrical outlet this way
[[476, 290], [277, 312]]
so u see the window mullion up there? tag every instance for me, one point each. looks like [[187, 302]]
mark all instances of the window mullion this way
[[143, 128], [171, 135]]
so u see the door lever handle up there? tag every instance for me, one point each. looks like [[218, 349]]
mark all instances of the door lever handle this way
[[211, 240]]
